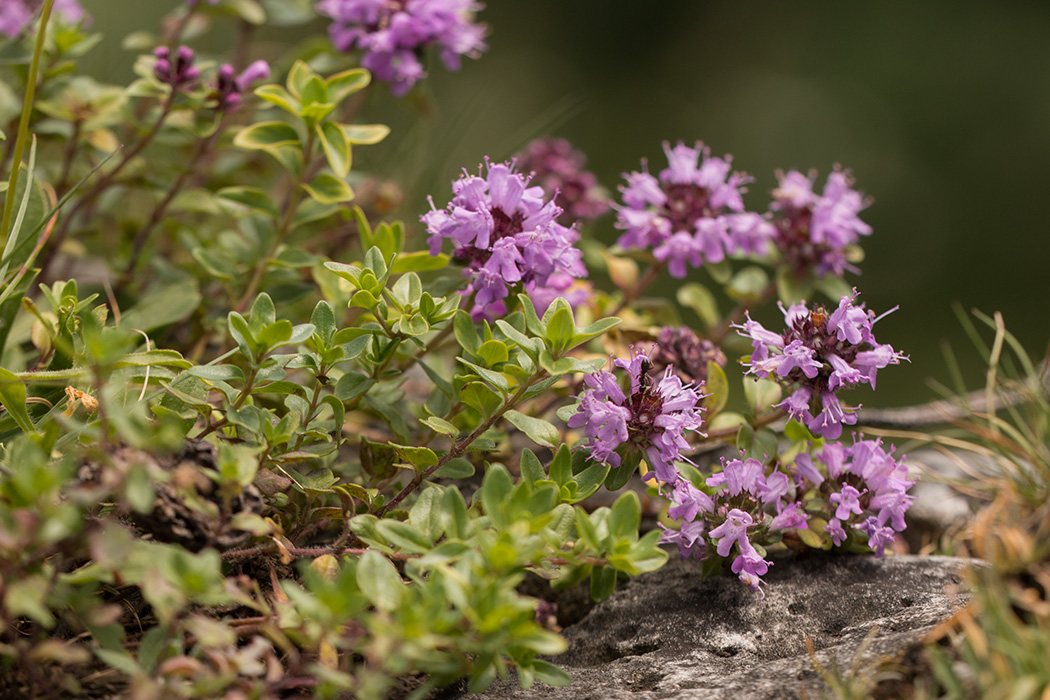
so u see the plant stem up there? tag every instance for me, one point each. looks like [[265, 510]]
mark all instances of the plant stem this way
[[23, 123]]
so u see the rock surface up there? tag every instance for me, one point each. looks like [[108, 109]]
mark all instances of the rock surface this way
[[669, 635]]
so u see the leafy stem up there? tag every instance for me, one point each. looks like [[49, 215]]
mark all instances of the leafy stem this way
[[460, 447]]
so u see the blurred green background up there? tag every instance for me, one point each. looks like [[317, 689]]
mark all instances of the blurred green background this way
[[941, 110]]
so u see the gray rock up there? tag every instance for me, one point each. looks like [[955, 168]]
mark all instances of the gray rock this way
[[670, 635]]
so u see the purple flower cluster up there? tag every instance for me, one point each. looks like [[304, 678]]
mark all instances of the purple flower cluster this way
[[692, 213], [652, 419], [16, 14], [506, 233], [858, 491], [179, 73], [813, 230], [393, 34], [229, 86], [820, 353], [687, 353], [558, 168]]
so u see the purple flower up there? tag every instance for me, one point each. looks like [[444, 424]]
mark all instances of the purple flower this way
[[689, 538], [688, 501], [789, 518], [813, 231], [866, 488], [558, 168], [848, 501], [820, 353], [733, 531], [506, 234], [394, 34], [834, 528], [229, 87], [692, 213], [178, 71], [749, 566], [652, 419]]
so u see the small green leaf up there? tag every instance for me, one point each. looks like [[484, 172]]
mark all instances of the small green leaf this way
[[561, 327], [365, 134], [603, 583], [493, 352], [466, 332], [440, 425], [253, 198], [717, 388], [418, 261], [277, 95], [458, 468], [266, 135], [700, 299], [761, 394], [328, 189], [379, 581], [418, 457], [342, 85], [531, 469], [538, 430], [336, 147]]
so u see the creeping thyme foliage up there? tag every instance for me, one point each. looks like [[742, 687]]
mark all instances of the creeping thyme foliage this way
[[285, 447]]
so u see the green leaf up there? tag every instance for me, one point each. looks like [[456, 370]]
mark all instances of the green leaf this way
[[266, 135], [561, 465], [365, 134], [761, 394], [342, 85], [277, 95], [625, 517], [298, 77], [466, 332], [253, 198], [603, 583], [589, 480], [619, 476], [530, 467], [13, 398], [458, 468], [405, 536], [717, 388], [748, 284], [550, 674], [700, 299], [440, 425], [493, 352], [495, 490], [418, 261], [493, 378], [328, 189], [336, 148], [796, 432], [418, 457], [538, 430], [379, 581], [561, 327]]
